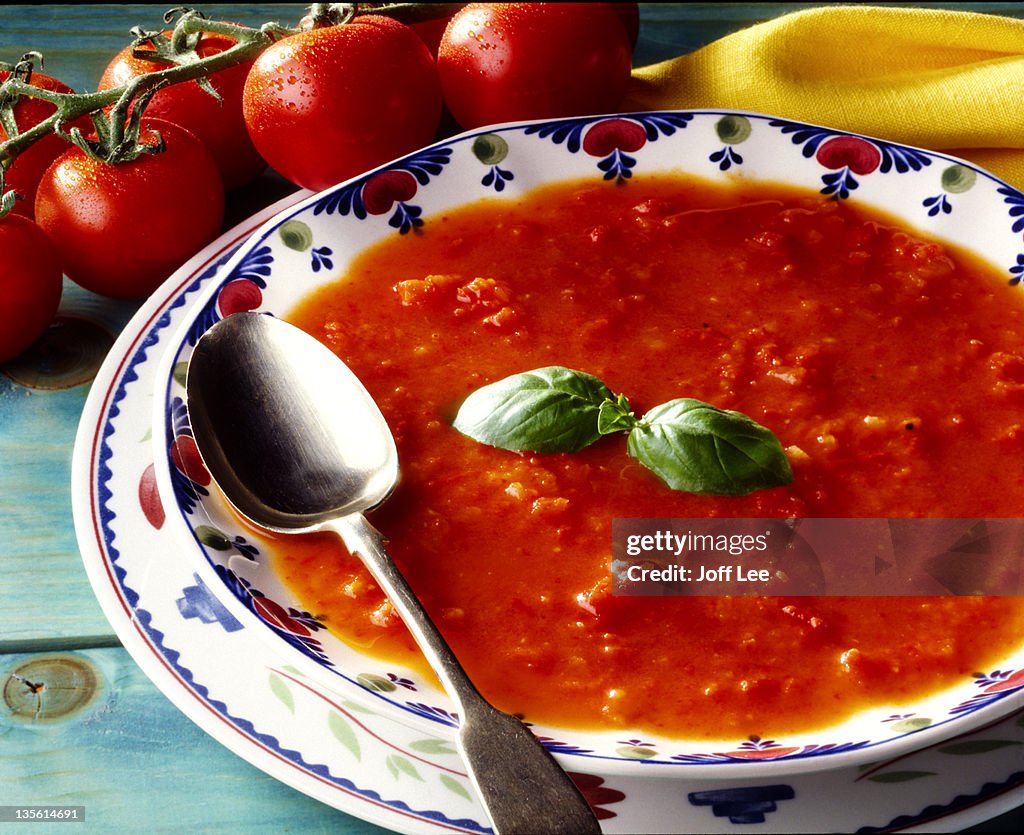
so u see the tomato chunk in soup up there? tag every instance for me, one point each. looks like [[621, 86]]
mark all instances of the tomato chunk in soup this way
[[888, 365]]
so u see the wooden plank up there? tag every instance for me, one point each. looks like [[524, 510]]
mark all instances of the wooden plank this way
[[39, 559], [137, 764]]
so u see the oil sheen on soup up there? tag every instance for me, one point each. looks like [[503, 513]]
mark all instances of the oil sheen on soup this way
[[887, 364]]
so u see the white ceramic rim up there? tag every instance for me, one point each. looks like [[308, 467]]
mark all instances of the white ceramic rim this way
[[837, 758]]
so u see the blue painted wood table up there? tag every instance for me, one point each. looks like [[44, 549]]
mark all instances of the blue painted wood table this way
[[129, 756]]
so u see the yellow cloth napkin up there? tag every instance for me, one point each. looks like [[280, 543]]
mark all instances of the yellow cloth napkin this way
[[943, 80]]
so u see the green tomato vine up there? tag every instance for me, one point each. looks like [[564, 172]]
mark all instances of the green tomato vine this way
[[117, 131], [116, 113]]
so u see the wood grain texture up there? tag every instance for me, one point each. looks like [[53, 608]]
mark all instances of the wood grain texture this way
[[138, 765]]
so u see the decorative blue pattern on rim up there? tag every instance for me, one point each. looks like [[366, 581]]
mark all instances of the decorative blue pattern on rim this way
[[844, 157], [958, 803]]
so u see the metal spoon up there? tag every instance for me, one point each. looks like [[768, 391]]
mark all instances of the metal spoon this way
[[297, 444]]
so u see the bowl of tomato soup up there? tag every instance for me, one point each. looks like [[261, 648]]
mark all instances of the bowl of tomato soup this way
[[857, 297]]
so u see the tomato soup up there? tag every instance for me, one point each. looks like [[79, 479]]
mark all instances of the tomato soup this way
[[888, 365]]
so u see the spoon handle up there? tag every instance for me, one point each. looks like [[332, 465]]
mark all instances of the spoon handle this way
[[521, 786]]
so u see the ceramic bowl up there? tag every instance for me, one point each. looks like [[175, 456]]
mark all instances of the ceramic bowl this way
[[310, 244]]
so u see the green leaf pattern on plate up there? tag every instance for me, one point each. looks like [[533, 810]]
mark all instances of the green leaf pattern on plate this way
[[179, 373], [344, 733], [212, 538], [915, 723], [400, 765], [973, 747], [455, 786], [282, 691], [355, 707], [432, 746], [372, 681], [296, 235], [635, 752]]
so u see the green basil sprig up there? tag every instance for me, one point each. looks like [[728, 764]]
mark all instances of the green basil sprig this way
[[551, 409], [690, 445], [698, 448]]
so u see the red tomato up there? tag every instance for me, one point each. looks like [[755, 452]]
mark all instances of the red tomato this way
[[327, 104], [629, 14], [24, 173], [122, 229], [30, 284], [218, 124], [502, 62], [431, 30]]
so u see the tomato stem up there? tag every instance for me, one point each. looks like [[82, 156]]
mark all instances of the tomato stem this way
[[7, 198], [186, 66], [182, 40], [249, 43], [322, 15]]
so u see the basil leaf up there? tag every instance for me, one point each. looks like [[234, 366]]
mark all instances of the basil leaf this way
[[698, 448], [615, 416], [552, 409]]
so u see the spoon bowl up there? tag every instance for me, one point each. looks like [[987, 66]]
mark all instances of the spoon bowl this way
[[251, 412], [296, 444]]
